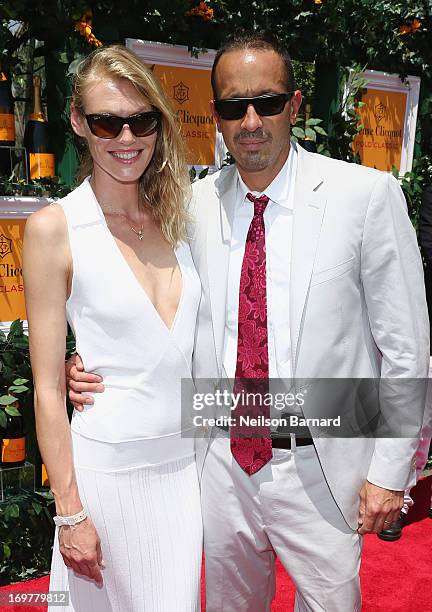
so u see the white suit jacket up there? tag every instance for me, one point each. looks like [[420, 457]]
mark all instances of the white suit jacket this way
[[357, 304]]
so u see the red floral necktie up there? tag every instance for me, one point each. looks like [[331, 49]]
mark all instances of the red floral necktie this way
[[251, 444]]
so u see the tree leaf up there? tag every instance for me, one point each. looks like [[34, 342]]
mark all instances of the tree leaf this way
[[313, 121], [16, 328], [3, 419], [20, 381], [12, 411], [15, 389], [37, 508], [13, 510], [302, 14], [6, 551], [20, 342], [203, 173], [298, 132], [319, 130], [48, 515], [310, 134], [7, 400]]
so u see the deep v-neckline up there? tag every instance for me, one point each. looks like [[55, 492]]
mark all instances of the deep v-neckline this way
[[135, 279]]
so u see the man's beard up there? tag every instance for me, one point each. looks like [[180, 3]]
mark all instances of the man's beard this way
[[254, 161]]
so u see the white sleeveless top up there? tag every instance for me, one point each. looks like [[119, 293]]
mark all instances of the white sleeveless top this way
[[120, 335]]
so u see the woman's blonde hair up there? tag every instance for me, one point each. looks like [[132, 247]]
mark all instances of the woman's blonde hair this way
[[165, 184]]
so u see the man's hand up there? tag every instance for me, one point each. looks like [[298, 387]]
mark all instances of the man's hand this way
[[79, 381], [378, 506]]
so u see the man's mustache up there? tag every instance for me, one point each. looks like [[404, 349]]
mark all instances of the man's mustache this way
[[257, 134]]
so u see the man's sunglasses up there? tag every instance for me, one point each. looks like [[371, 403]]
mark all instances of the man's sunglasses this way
[[109, 126], [265, 105]]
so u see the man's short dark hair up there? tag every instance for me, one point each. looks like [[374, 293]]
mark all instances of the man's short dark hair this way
[[258, 40]]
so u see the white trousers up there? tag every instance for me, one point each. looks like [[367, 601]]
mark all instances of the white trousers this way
[[285, 509]]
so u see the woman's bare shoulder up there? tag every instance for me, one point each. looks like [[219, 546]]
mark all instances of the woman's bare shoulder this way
[[47, 224]]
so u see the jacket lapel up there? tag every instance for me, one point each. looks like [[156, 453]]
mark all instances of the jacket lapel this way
[[219, 229], [308, 217]]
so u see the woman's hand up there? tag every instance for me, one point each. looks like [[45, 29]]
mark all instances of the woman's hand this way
[[80, 548]]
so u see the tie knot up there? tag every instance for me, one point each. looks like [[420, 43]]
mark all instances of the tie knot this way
[[259, 203]]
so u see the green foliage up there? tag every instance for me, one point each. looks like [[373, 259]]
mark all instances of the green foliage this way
[[15, 372], [413, 184], [309, 129], [40, 188], [26, 536], [344, 123]]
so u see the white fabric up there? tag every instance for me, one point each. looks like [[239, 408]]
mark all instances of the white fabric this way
[[357, 309], [120, 335], [114, 456], [285, 509], [136, 473], [356, 304], [278, 217], [152, 553]]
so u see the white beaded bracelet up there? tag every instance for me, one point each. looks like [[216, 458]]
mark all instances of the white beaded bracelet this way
[[80, 516]]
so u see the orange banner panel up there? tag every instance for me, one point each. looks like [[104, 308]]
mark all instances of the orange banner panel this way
[[12, 305], [379, 143], [190, 92]]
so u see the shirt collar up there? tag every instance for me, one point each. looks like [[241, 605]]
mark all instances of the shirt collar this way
[[281, 189]]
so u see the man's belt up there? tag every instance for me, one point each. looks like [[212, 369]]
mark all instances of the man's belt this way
[[285, 441], [279, 441]]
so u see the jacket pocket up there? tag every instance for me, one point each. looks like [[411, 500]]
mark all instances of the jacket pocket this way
[[323, 276]]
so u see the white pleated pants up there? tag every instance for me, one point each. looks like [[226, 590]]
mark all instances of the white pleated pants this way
[[149, 522], [285, 509]]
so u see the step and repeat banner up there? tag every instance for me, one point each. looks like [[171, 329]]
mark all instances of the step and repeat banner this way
[[388, 119], [11, 288], [13, 214], [186, 80]]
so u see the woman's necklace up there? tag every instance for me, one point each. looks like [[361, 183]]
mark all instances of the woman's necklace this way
[[113, 211]]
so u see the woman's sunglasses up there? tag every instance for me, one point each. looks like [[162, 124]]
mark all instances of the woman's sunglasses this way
[[109, 126], [265, 105]]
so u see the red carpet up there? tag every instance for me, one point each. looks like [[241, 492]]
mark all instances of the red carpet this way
[[395, 576]]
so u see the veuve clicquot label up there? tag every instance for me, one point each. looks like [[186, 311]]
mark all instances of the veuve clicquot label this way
[[13, 450], [41, 165], [7, 127]]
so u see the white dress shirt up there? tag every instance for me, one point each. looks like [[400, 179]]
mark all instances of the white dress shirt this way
[[278, 218]]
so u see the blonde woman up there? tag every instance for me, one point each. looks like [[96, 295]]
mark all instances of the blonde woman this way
[[110, 259]]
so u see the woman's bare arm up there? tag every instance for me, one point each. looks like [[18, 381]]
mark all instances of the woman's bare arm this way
[[47, 270]]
